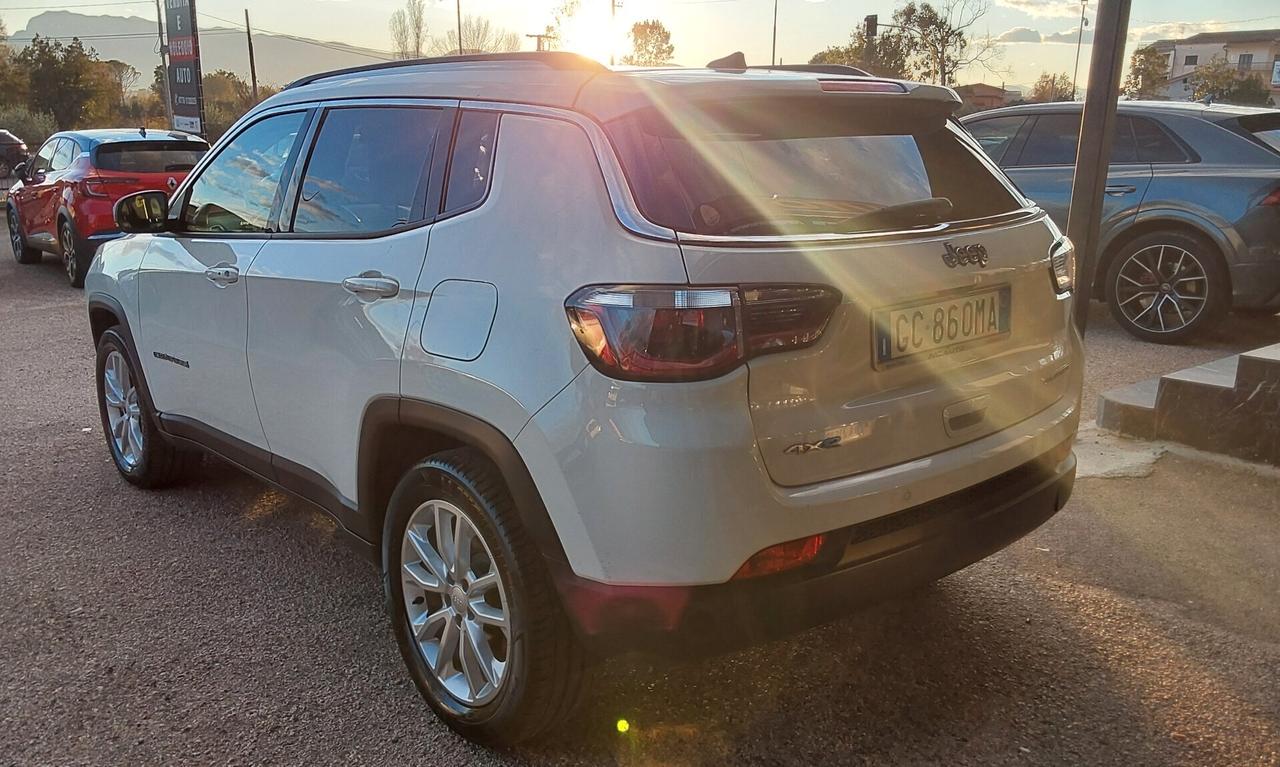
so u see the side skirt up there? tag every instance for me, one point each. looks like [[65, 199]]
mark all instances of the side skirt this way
[[294, 479]]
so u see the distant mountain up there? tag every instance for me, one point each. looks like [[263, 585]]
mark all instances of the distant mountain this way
[[280, 58]]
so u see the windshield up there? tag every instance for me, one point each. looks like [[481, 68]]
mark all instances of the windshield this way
[[750, 180], [150, 156]]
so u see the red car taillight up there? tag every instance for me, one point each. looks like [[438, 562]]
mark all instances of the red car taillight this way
[[94, 187], [655, 333], [1272, 200]]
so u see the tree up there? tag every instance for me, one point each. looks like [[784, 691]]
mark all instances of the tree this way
[[555, 30], [13, 78], [944, 45], [889, 56], [1148, 74], [479, 35], [123, 78], [650, 44], [409, 30], [1250, 91], [61, 77], [1213, 80], [1051, 87]]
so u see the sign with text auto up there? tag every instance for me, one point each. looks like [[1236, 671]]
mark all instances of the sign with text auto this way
[[1275, 74], [186, 90]]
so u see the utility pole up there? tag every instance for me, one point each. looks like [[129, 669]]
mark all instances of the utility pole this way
[[253, 68], [164, 65], [541, 40], [613, 27], [459, 27], [1075, 73], [773, 51], [1096, 130]]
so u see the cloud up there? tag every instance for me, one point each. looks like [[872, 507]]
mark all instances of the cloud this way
[[1044, 9], [1069, 36], [1019, 35]]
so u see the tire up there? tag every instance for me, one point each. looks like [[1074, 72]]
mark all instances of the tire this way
[[141, 453], [543, 672], [1168, 286], [75, 259], [21, 252]]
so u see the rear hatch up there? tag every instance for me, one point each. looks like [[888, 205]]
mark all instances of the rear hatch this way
[[121, 168], [950, 326]]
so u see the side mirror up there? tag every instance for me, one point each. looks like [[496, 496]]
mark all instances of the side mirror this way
[[20, 170], [142, 212]]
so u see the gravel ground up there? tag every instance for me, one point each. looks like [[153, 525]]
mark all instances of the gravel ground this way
[[223, 622]]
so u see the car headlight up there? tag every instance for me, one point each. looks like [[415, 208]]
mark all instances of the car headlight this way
[[1062, 265]]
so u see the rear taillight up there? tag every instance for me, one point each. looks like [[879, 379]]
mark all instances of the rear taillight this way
[[1062, 265], [1272, 200], [94, 187], [655, 333], [782, 557]]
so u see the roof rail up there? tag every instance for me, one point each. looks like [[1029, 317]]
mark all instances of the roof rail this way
[[552, 59], [822, 69]]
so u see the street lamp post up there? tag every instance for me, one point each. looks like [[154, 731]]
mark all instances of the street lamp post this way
[[773, 51], [1075, 74]]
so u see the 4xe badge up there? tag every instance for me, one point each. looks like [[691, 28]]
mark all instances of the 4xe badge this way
[[965, 255]]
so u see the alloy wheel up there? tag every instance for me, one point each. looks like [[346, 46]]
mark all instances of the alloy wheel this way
[[456, 602], [15, 238], [1162, 288], [124, 411], [68, 242]]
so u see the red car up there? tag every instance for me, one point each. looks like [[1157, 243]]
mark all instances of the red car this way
[[64, 199]]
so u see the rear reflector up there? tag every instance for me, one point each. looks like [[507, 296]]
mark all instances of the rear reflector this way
[[861, 86], [782, 557]]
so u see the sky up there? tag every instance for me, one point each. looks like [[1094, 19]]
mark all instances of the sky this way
[[1038, 35]]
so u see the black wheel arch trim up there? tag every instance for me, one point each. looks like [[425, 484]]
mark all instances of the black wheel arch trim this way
[[469, 430], [99, 302]]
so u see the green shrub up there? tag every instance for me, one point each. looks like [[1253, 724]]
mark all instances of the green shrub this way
[[31, 127]]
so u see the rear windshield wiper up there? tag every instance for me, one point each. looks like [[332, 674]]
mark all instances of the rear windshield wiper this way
[[924, 212]]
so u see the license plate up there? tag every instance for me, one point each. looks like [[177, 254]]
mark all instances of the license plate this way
[[934, 327]]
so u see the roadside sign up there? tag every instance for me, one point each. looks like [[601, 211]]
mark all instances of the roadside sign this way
[[186, 89], [1275, 74]]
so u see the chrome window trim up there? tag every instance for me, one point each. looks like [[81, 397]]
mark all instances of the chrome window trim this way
[[1019, 216]]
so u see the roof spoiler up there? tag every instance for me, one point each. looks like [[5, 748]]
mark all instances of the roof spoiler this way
[[821, 69]]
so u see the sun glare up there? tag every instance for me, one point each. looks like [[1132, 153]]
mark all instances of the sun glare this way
[[592, 33]]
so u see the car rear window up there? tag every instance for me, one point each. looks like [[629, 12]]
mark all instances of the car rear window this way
[[771, 169], [1264, 127], [150, 156]]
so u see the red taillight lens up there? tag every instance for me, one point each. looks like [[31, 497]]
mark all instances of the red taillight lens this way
[[653, 333], [781, 557], [94, 187], [1272, 200]]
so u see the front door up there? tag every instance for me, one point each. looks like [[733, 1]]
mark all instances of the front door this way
[[330, 297], [192, 292], [36, 197]]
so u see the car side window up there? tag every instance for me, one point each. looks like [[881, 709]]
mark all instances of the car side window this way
[[368, 171], [65, 153], [1055, 137], [995, 135], [471, 161], [1154, 145], [237, 190], [44, 158]]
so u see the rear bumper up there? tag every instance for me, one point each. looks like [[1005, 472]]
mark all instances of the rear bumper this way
[[1256, 286], [859, 565]]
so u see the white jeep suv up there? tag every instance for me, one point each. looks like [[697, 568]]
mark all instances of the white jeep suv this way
[[592, 361]]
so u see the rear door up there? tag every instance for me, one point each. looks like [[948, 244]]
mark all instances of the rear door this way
[[330, 298], [1043, 167], [949, 327]]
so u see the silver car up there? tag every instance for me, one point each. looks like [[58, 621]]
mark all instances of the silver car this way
[[1191, 218]]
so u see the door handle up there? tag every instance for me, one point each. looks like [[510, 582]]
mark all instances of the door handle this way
[[1119, 190], [371, 285], [222, 275]]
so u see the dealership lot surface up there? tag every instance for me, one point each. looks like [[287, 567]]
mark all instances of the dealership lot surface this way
[[225, 622]]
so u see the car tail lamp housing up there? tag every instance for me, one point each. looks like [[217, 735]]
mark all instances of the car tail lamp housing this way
[[1272, 200], [681, 333], [782, 557], [1062, 266], [94, 187]]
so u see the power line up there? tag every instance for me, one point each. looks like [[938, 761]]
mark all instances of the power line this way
[[66, 5], [339, 47], [119, 36]]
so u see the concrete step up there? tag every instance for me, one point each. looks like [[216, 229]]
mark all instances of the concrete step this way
[[1229, 406]]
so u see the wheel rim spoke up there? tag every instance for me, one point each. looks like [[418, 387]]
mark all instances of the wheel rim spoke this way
[[458, 617], [1161, 307]]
